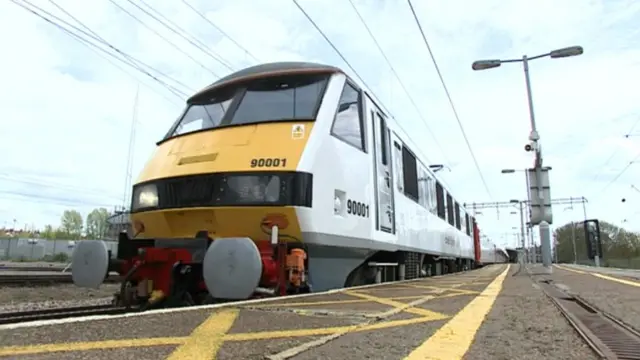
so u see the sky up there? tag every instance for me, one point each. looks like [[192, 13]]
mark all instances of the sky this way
[[68, 112]]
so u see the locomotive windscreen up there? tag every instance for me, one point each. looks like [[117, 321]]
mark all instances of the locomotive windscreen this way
[[275, 98]]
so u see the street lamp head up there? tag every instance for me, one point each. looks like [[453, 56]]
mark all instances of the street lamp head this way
[[514, 201], [507, 171], [566, 52], [485, 64]]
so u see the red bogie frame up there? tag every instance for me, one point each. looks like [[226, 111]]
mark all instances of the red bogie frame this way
[[269, 264], [157, 265]]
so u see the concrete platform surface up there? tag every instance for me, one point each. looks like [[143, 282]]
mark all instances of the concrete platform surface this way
[[616, 295], [434, 317]]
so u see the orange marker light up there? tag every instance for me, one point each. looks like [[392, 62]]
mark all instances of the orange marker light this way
[[138, 226], [279, 220]]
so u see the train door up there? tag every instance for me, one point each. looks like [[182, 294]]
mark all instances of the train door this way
[[383, 173]]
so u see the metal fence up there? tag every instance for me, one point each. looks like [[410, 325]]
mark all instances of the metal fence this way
[[41, 249]]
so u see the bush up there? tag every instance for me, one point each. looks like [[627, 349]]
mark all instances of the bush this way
[[59, 257]]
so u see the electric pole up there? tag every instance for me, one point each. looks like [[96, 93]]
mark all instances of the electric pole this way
[[522, 206]]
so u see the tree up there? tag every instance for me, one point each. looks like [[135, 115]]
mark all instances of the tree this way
[[618, 244], [60, 234], [96, 224], [71, 223], [48, 233]]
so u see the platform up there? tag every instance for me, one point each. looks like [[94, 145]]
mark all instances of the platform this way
[[615, 294], [633, 274], [436, 316]]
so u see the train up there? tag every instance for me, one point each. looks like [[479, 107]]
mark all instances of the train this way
[[283, 178]]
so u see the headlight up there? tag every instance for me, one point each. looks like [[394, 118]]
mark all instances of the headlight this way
[[145, 196]]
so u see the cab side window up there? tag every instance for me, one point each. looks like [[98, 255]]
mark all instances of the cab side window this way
[[347, 125]]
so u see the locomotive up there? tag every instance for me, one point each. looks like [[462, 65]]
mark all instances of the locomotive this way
[[282, 178]]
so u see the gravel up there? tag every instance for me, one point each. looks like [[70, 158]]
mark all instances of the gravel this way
[[617, 299], [525, 324], [63, 295]]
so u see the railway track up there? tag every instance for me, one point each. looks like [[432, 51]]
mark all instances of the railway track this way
[[61, 313], [43, 279], [608, 336], [32, 268]]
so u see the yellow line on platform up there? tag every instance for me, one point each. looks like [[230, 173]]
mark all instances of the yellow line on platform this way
[[618, 280], [89, 345], [453, 340], [248, 336], [205, 341], [572, 270], [265, 335], [602, 276], [395, 304], [330, 302]]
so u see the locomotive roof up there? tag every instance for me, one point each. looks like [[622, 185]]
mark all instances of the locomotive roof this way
[[258, 71]]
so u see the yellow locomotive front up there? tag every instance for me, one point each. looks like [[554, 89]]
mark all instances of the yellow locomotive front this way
[[213, 211]]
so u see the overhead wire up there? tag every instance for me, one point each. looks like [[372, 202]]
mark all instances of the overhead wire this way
[[446, 90], [94, 47], [126, 59], [220, 30], [52, 185], [103, 41], [178, 48], [301, 9], [619, 174], [25, 197], [355, 72], [435, 139], [185, 35], [615, 151]]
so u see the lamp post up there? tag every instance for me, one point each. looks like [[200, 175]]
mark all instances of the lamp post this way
[[534, 138]]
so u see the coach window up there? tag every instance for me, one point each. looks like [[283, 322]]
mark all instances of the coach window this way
[[468, 225], [433, 198], [440, 201], [397, 164], [347, 125], [450, 209], [457, 215], [384, 142], [410, 169], [423, 187], [463, 223]]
